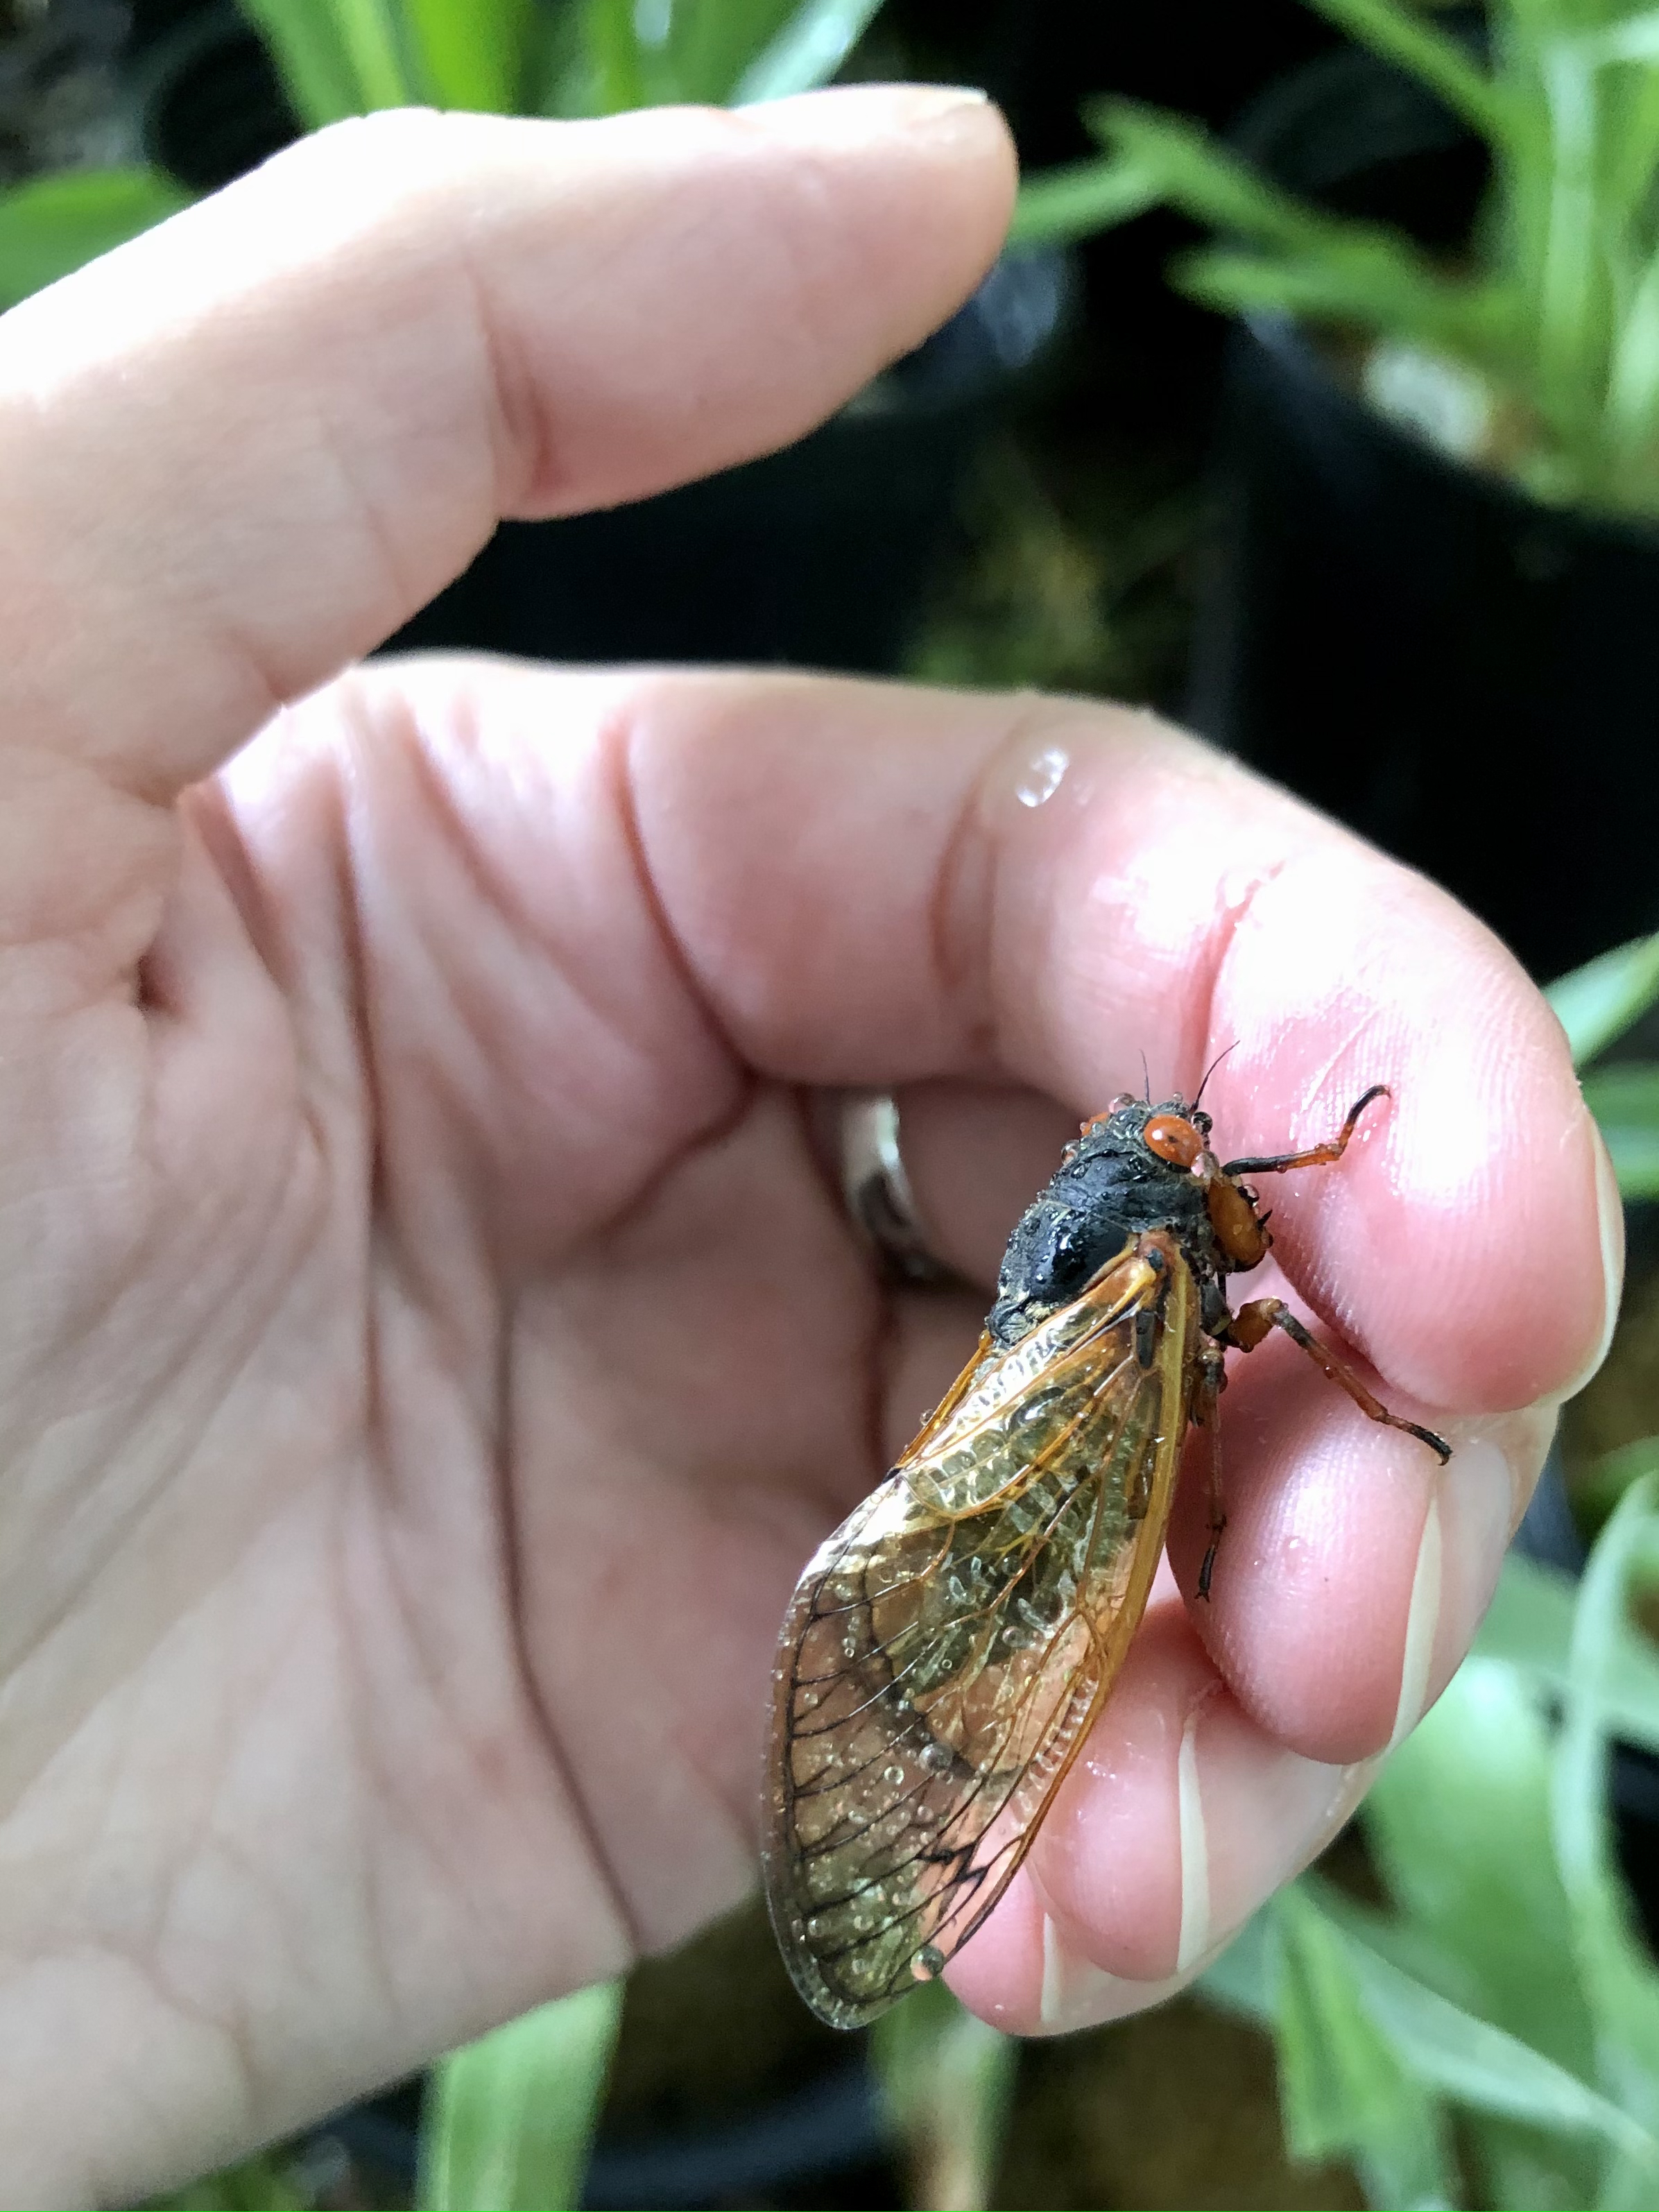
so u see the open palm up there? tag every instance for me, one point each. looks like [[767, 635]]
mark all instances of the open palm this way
[[433, 1344]]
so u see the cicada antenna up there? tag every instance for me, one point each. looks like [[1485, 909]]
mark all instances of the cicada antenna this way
[[1146, 1075], [1211, 1070]]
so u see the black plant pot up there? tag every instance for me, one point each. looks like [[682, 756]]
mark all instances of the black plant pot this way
[[1465, 676], [819, 556]]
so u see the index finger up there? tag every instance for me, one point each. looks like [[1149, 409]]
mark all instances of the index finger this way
[[873, 886]]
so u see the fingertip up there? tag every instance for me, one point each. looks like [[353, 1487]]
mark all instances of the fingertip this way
[[1459, 1240]]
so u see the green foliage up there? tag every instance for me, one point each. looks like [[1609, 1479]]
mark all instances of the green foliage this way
[[53, 224], [1503, 2003], [564, 58], [946, 2081], [1553, 308], [512, 2116], [1595, 1005], [257, 2185], [1344, 2091]]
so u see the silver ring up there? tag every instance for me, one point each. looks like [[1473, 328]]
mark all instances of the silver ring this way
[[876, 1190]]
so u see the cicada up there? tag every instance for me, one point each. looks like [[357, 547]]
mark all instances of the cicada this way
[[950, 1647]]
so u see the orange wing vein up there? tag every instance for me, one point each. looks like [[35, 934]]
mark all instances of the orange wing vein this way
[[949, 1647]]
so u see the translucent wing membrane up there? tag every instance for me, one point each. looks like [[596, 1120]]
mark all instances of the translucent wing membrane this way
[[949, 1647]]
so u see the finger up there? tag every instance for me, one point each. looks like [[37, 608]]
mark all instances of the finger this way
[[239, 452], [871, 886], [1353, 1571], [1179, 1818]]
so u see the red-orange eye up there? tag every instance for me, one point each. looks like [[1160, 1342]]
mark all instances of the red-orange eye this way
[[1173, 1138]]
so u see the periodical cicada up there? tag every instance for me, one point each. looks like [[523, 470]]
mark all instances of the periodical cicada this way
[[948, 1649]]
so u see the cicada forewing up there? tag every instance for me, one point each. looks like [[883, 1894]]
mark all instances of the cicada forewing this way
[[949, 1647]]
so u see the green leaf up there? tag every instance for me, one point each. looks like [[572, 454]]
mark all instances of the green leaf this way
[[808, 51], [1616, 1972], [1599, 1001], [307, 46], [257, 2185], [1343, 2090], [1241, 1980], [1404, 36], [474, 53], [1624, 1100], [1478, 2066], [710, 44], [1594, 1498], [1530, 1625], [53, 225], [946, 2081], [618, 67], [1459, 1824], [512, 2116], [1058, 206], [1379, 290]]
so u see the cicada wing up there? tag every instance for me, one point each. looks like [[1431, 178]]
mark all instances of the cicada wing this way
[[947, 1649]]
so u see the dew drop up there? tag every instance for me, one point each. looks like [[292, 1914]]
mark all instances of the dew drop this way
[[893, 1776], [1041, 777]]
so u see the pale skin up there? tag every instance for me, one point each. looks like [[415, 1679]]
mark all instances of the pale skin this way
[[431, 1346]]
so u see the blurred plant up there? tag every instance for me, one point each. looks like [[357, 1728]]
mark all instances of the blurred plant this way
[[947, 2082], [337, 58], [510, 2119], [1597, 1004], [1538, 348]]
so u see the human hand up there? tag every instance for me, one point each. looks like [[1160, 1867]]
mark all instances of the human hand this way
[[431, 1348]]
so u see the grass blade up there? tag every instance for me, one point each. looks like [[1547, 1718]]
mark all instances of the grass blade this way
[[1618, 1976], [1530, 1625], [512, 2116], [1074, 201], [1624, 1100], [808, 51], [1599, 1001], [946, 2081], [1459, 1824], [1404, 36], [1478, 2066], [1343, 2090]]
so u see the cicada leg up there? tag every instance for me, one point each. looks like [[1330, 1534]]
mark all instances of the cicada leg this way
[[1316, 1156], [1251, 1324], [1206, 1412]]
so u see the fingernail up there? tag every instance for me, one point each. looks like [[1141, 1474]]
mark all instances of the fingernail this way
[[1422, 1622], [858, 110], [1273, 1816], [1266, 1810], [1610, 1231], [1076, 1993], [1460, 1554], [1195, 1849]]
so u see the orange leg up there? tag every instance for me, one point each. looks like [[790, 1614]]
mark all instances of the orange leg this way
[[1251, 1324], [1320, 1156]]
